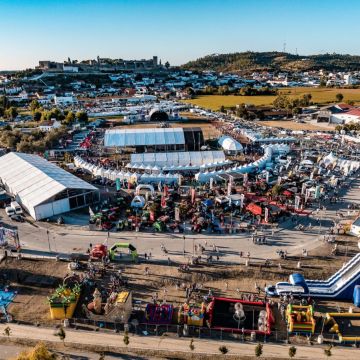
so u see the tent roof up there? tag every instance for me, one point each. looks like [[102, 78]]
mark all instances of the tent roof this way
[[228, 143], [142, 137], [185, 158], [35, 179]]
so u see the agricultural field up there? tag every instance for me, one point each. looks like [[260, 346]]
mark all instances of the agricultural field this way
[[319, 96]]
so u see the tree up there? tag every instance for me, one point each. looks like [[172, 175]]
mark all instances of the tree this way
[[167, 65], [69, 118], [339, 97], [11, 113], [34, 105], [37, 115], [39, 352], [223, 349], [61, 334], [322, 82], [328, 352], [82, 116], [292, 352], [276, 190], [7, 331], [259, 349], [126, 338], [191, 345]]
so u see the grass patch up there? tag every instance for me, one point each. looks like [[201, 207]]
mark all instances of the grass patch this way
[[319, 96]]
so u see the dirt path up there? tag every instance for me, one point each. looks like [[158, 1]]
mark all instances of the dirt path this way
[[166, 345]]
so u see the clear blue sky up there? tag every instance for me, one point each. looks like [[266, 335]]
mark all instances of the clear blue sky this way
[[175, 30]]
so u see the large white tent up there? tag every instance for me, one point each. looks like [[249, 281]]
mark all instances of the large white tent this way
[[167, 159], [43, 188], [144, 137], [230, 145]]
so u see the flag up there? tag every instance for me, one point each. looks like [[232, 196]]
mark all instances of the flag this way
[[118, 184], [242, 196], [211, 183], [91, 213], [166, 191], [163, 202], [266, 215], [193, 193], [152, 216], [159, 186]]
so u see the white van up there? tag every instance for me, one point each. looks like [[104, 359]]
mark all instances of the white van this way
[[9, 211], [17, 208]]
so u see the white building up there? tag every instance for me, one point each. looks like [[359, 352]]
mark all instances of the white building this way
[[64, 100], [50, 125], [346, 117], [42, 188]]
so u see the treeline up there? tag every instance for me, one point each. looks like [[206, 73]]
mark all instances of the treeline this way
[[36, 141], [7, 109], [244, 91], [276, 61], [67, 117]]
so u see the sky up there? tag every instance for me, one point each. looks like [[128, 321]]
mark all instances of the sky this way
[[175, 30]]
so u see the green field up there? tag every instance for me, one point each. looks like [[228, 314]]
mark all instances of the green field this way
[[319, 96]]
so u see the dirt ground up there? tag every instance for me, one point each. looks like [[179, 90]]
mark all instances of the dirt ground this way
[[292, 125], [36, 279]]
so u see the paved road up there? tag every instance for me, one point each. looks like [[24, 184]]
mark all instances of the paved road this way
[[64, 239], [173, 344]]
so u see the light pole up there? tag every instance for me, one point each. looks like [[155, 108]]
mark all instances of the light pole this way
[[48, 238]]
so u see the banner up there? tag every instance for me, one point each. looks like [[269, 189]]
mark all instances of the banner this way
[[229, 189], [245, 181], [177, 214]]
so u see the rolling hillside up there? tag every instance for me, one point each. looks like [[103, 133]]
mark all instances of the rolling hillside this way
[[276, 61]]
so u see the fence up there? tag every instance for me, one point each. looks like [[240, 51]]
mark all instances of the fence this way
[[204, 332]]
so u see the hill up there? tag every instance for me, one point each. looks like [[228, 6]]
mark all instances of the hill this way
[[274, 61]]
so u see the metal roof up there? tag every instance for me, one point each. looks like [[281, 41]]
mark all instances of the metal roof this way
[[143, 137], [178, 158], [35, 180]]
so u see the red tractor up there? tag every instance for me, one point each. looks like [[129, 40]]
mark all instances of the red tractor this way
[[98, 252]]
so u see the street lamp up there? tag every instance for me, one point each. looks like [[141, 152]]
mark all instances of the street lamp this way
[[184, 238]]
